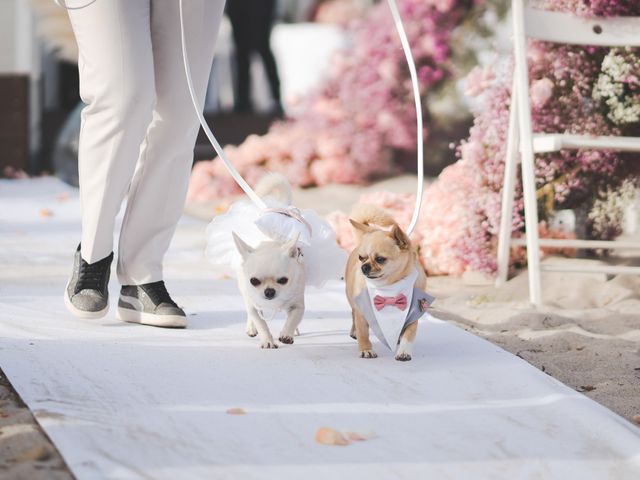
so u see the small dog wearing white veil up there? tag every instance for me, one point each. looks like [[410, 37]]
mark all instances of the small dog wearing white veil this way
[[271, 279], [272, 273]]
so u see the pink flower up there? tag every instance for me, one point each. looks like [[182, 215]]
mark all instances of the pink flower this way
[[472, 151], [541, 91], [478, 80]]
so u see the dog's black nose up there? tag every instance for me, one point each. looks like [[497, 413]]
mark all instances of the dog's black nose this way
[[366, 269], [269, 293]]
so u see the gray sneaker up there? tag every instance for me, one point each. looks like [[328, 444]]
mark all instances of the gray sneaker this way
[[87, 295], [150, 304]]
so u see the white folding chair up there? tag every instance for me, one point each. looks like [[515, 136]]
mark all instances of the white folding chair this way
[[568, 29]]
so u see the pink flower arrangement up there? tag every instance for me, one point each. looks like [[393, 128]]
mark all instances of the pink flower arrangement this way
[[347, 132], [464, 203]]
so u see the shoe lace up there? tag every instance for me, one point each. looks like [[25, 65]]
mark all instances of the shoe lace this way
[[91, 275], [157, 291]]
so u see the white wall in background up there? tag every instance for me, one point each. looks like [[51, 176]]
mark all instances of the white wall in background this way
[[303, 52], [7, 36], [20, 54]]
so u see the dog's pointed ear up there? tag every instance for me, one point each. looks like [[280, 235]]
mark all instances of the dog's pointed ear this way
[[361, 226], [401, 238], [243, 248], [291, 247]]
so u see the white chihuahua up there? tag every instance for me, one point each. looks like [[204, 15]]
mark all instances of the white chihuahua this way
[[272, 278], [274, 253]]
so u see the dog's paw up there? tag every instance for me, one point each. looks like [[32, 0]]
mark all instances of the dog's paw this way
[[368, 354], [286, 339], [252, 332], [403, 357], [268, 344], [352, 334]]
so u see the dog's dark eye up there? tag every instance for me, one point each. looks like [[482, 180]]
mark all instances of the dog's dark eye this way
[[380, 260], [283, 280], [361, 258], [255, 282]]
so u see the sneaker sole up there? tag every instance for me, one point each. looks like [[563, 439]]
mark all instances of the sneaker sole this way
[[82, 313], [142, 318]]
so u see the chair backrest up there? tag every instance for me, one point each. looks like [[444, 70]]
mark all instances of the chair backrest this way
[[570, 29]]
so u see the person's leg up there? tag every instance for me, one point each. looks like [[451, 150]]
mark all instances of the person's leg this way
[[271, 69], [158, 191], [242, 44], [266, 10], [117, 85]]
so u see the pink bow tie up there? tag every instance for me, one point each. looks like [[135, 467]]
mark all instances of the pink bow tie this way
[[399, 301]]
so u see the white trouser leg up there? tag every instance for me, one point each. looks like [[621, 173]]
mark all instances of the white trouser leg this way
[[117, 84], [157, 194]]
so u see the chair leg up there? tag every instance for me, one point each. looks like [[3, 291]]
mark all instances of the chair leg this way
[[526, 149], [531, 225], [530, 216], [508, 192]]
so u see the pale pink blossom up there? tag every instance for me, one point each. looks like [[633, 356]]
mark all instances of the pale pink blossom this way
[[541, 91], [478, 80]]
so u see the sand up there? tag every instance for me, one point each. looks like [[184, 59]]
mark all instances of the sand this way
[[587, 335], [25, 451]]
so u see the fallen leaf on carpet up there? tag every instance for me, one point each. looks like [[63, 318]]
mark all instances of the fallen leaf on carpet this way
[[62, 197], [46, 213], [360, 437], [329, 436], [236, 411]]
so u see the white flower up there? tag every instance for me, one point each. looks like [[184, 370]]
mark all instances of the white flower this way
[[619, 69]]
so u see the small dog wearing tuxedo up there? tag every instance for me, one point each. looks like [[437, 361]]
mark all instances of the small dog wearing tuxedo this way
[[385, 284]]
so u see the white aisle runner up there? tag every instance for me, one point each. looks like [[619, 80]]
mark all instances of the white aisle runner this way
[[128, 401]]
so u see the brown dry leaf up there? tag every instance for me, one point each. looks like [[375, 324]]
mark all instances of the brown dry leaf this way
[[360, 437], [236, 411], [46, 213], [329, 436]]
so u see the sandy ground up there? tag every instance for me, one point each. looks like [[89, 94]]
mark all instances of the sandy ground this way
[[26, 453], [587, 336]]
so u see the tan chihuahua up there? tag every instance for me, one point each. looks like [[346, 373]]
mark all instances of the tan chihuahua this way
[[385, 284]]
